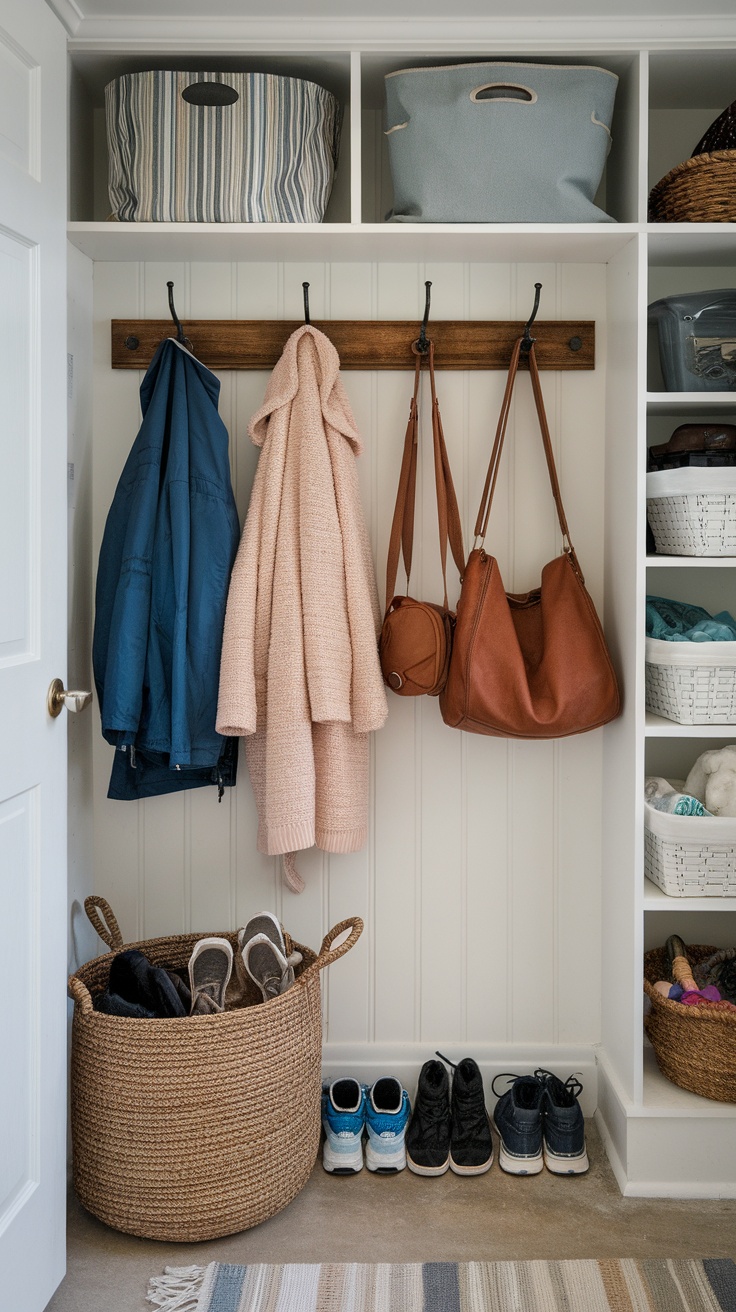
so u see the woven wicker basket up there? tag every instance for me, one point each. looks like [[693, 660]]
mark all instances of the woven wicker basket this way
[[700, 190], [691, 682], [690, 856], [695, 1047], [196, 1127]]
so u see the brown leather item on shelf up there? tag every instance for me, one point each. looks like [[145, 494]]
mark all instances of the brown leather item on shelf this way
[[691, 439], [416, 637], [533, 665]]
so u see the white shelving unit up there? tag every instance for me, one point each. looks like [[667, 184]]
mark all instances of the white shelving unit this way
[[663, 96]]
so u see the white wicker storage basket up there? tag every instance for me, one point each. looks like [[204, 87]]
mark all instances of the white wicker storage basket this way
[[690, 856], [692, 512], [691, 682]]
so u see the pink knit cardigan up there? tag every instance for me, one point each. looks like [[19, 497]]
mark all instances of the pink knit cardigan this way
[[300, 675]]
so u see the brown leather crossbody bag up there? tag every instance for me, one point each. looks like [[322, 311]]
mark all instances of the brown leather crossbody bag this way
[[416, 637], [533, 665]]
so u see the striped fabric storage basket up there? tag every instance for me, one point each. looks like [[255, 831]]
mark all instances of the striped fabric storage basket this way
[[689, 855], [691, 682], [220, 147], [692, 512]]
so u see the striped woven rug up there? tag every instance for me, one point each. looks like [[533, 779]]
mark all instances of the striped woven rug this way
[[652, 1285]]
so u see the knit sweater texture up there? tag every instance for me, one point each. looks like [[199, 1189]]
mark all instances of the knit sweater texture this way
[[300, 675]]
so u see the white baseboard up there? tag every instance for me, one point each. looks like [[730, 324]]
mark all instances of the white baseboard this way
[[615, 1162], [683, 1189], [368, 1062]]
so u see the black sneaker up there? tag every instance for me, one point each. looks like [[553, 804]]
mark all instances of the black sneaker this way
[[564, 1127], [428, 1134], [471, 1143], [518, 1119]]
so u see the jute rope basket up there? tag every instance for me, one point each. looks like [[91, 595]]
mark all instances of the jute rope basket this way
[[695, 1047], [700, 190], [200, 1126]]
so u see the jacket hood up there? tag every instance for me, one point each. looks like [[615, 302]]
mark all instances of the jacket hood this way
[[171, 356], [308, 355]]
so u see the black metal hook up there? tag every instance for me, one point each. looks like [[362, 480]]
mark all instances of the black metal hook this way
[[305, 289], [422, 342], [527, 340], [179, 330]]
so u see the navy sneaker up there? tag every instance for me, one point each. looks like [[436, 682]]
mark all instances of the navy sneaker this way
[[343, 1120], [428, 1135], [386, 1114], [518, 1119], [564, 1127]]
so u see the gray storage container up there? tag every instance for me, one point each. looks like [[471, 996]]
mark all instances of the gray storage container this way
[[697, 340]]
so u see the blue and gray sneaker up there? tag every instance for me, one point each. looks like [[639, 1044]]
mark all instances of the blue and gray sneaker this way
[[564, 1127], [343, 1119], [386, 1114], [518, 1119]]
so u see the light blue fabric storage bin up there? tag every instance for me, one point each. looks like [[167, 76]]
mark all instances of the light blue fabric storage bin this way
[[498, 142]]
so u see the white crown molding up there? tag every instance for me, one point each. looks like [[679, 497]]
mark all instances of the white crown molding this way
[[379, 34], [69, 13]]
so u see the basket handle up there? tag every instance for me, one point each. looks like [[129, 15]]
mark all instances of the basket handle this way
[[328, 954], [109, 929], [81, 994]]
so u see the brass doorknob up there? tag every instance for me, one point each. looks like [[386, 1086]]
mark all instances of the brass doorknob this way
[[58, 697]]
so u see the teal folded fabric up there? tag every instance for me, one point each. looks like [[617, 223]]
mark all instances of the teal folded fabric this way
[[676, 621]]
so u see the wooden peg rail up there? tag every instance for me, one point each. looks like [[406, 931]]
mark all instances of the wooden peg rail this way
[[360, 343]]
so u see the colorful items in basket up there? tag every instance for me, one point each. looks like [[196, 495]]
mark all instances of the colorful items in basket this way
[[682, 986], [663, 796], [703, 446], [141, 990], [677, 621]]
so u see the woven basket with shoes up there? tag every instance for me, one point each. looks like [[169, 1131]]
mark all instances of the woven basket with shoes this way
[[695, 1047], [700, 190], [194, 1127]]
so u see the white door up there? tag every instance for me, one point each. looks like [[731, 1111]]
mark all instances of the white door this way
[[33, 911]]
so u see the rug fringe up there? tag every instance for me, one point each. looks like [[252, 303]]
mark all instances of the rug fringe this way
[[178, 1289]]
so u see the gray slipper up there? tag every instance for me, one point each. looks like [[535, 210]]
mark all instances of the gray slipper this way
[[267, 966], [210, 967]]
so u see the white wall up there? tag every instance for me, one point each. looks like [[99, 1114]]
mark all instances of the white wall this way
[[480, 885]]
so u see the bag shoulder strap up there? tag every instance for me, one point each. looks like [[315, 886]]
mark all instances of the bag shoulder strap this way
[[484, 510], [448, 515]]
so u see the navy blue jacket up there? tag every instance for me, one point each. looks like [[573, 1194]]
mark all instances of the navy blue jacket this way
[[162, 582]]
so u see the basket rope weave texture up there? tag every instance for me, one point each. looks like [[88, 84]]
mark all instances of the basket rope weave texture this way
[[700, 190], [695, 1047], [196, 1127]]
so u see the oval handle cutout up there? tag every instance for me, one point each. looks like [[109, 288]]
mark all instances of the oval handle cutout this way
[[210, 93], [504, 91]]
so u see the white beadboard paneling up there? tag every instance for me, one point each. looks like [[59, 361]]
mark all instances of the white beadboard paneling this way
[[480, 882], [397, 894]]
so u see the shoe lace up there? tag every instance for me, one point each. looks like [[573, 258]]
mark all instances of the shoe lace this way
[[503, 1075], [573, 1084]]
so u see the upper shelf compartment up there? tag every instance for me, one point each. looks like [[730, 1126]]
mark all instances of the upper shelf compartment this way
[[354, 226], [618, 191], [688, 90], [91, 70]]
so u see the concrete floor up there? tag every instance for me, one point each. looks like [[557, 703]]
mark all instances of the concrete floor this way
[[405, 1218]]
